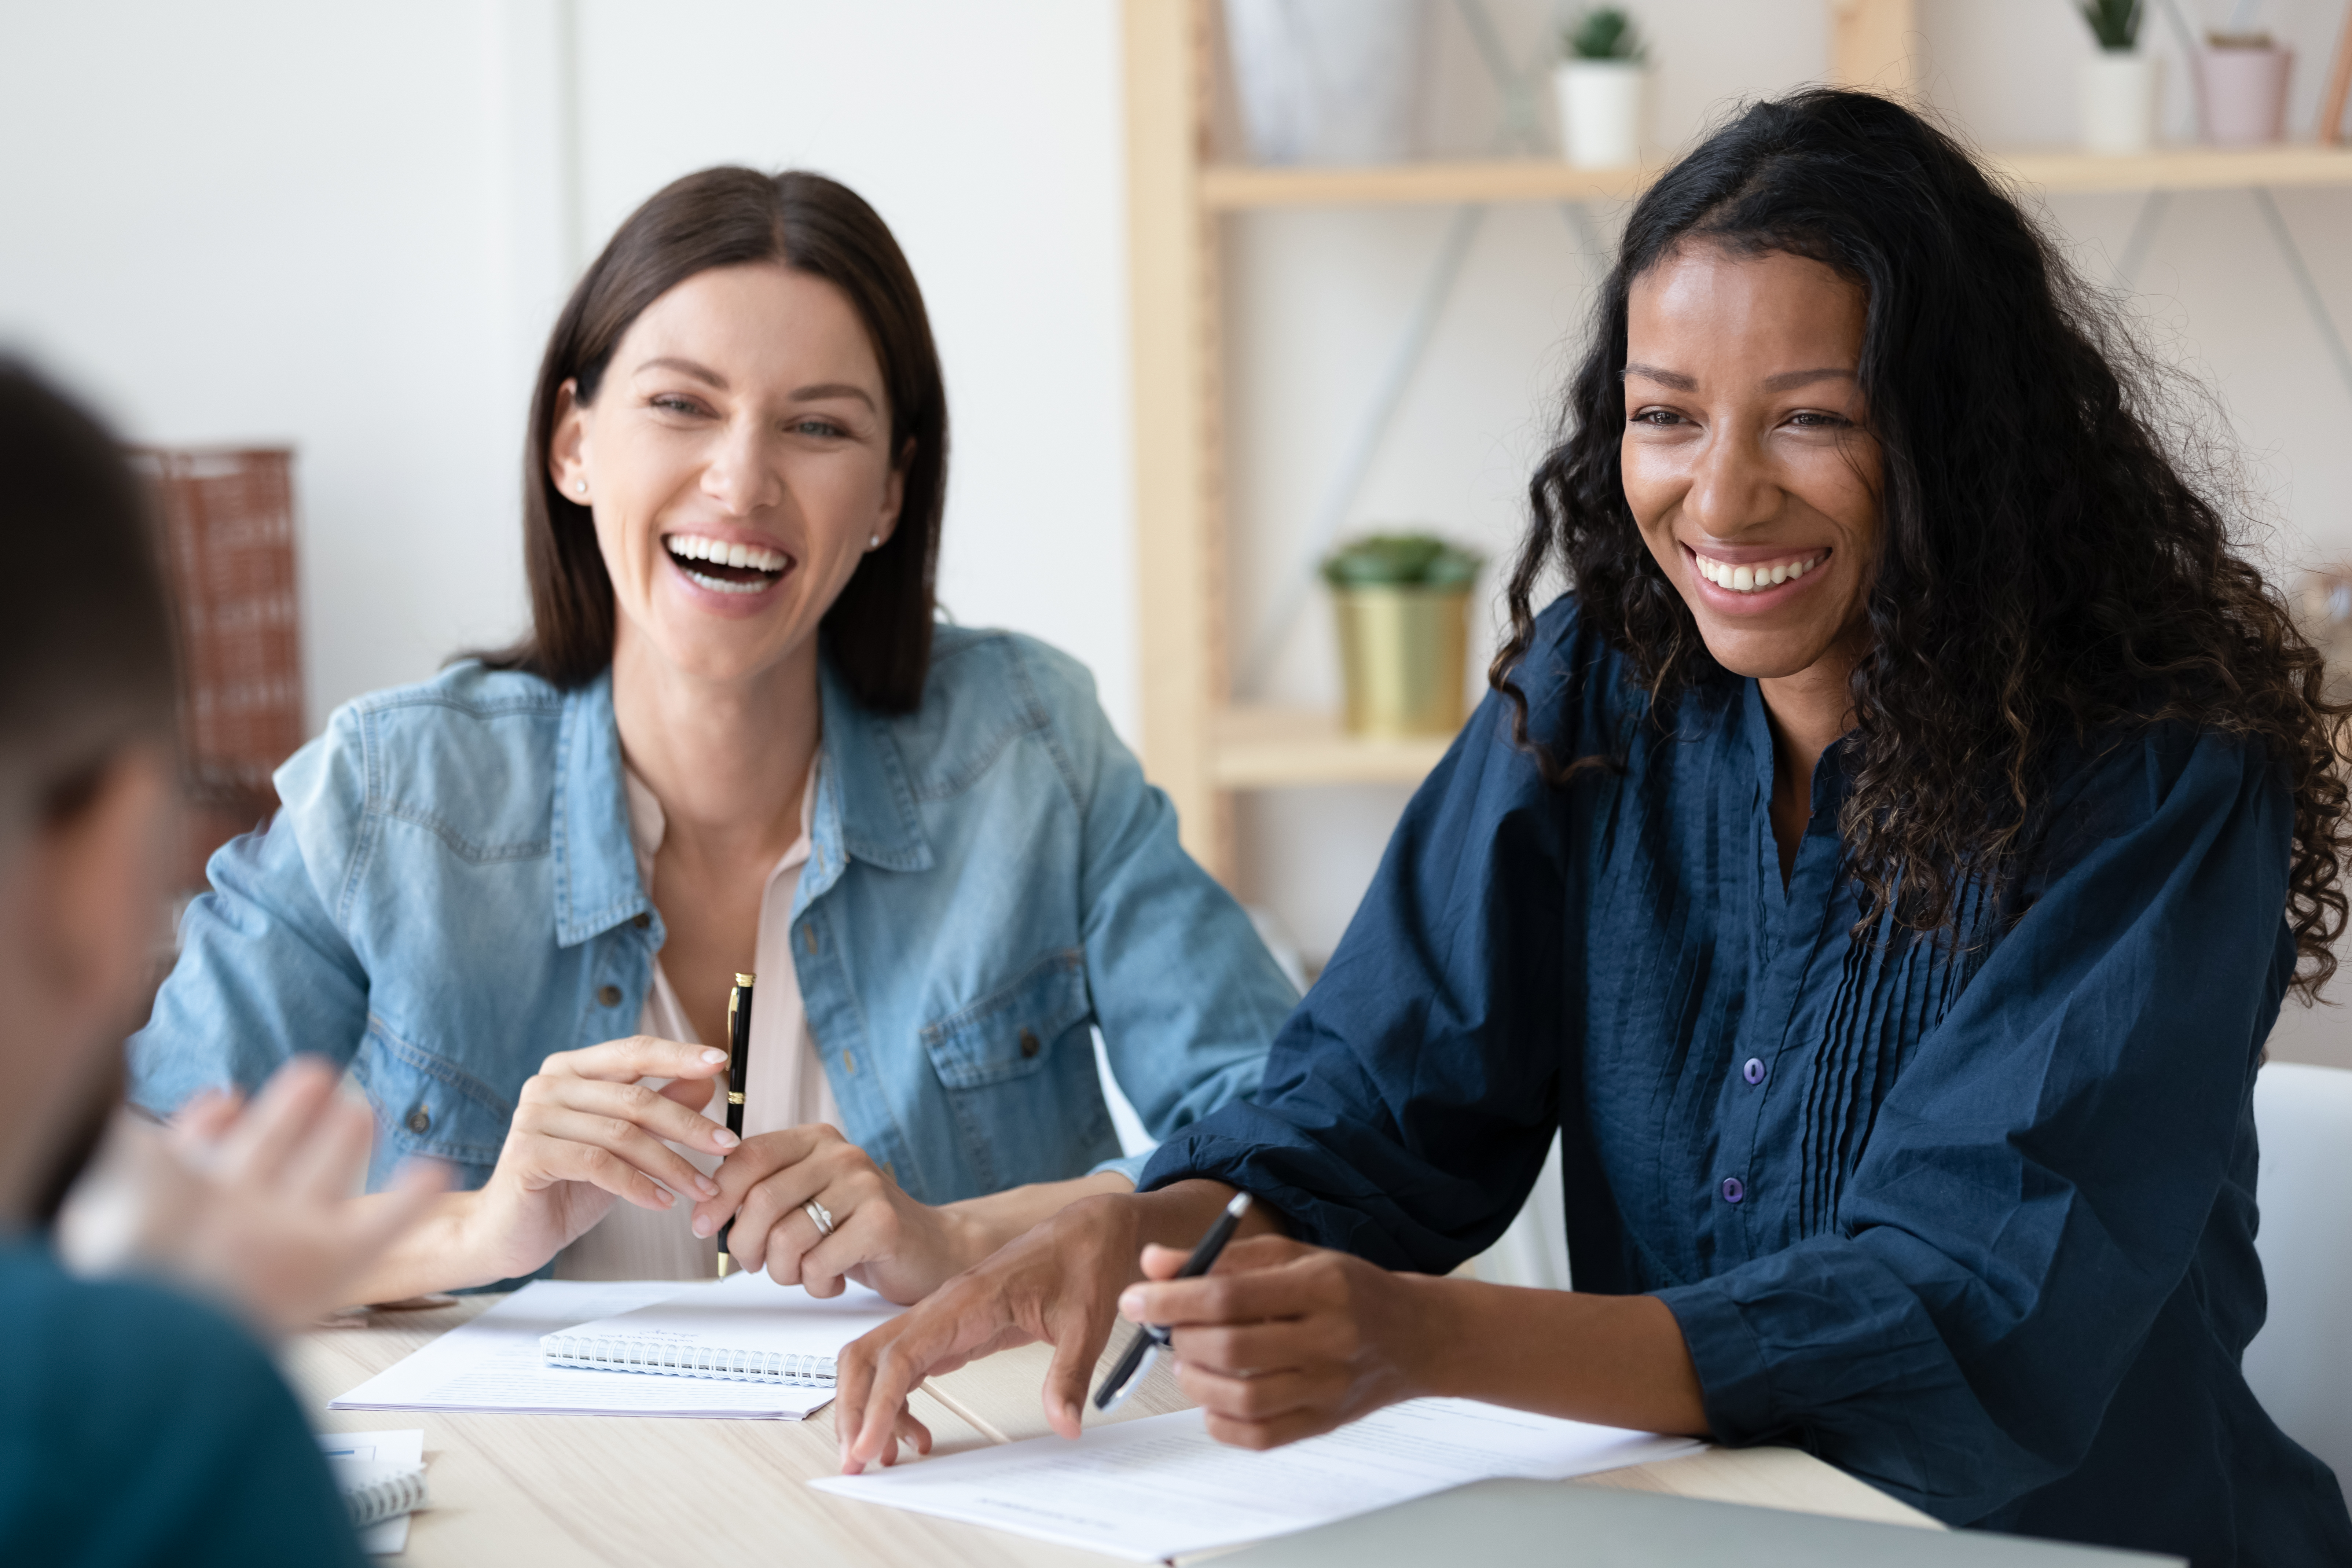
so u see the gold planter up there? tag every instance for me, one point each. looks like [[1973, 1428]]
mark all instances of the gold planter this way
[[1401, 653]]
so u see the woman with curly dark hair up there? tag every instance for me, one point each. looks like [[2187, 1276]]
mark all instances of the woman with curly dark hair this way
[[1883, 866]]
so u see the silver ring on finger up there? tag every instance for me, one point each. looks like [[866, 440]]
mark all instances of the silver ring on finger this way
[[820, 1216]]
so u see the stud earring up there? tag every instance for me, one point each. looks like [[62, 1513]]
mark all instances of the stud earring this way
[[579, 487], [874, 541]]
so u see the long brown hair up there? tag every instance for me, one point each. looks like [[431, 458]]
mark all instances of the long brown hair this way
[[2057, 560], [878, 632]]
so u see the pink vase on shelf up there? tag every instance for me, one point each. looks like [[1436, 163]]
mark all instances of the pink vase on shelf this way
[[2244, 93]]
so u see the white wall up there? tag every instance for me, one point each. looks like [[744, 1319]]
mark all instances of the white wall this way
[[348, 229], [271, 224]]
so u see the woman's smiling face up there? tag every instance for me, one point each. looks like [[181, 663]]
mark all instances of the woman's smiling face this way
[[738, 463], [1747, 459]]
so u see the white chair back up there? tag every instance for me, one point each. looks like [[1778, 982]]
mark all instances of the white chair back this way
[[2300, 1365]]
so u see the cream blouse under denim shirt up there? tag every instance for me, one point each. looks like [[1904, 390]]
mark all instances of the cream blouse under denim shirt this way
[[450, 894]]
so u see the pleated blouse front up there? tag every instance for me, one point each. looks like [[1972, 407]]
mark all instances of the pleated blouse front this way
[[1969, 1215]]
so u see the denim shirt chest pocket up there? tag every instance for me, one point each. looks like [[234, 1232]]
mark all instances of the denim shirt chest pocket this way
[[426, 1105], [1019, 1070]]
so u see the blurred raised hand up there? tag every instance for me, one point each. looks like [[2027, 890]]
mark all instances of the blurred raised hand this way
[[247, 1203]]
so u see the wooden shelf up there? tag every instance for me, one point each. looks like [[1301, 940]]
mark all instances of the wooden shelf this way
[[1263, 748], [1235, 187], [1228, 187]]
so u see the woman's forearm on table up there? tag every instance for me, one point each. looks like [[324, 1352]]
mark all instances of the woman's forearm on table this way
[[985, 1224], [437, 1254], [1618, 1361]]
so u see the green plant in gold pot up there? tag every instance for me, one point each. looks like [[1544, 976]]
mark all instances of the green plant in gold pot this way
[[1402, 602]]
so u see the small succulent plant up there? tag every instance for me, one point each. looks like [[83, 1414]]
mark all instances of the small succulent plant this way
[[1604, 33], [1402, 561], [2115, 23]]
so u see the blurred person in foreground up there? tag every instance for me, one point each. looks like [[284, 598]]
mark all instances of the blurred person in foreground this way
[[140, 1421], [1881, 868]]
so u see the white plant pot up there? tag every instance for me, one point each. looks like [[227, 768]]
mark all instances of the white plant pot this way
[[2115, 101], [1601, 105], [2244, 93], [1329, 81]]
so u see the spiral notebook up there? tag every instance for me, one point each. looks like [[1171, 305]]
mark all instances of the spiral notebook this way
[[381, 1476], [746, 1329]]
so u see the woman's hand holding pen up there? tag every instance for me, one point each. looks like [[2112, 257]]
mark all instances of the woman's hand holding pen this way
[[880, 1237], [586, 1134], [1282, 1341]]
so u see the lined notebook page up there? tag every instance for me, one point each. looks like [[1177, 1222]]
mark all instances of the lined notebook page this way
[[746, 1329]]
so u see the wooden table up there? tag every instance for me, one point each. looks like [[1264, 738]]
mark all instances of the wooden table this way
[[629, 1491]]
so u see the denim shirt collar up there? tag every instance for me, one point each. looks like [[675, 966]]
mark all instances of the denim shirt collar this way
[[865, 810]]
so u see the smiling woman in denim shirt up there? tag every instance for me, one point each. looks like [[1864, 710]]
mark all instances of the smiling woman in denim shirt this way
[[513, 898]]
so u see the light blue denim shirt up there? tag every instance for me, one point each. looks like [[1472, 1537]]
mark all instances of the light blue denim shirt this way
[[451, 894]]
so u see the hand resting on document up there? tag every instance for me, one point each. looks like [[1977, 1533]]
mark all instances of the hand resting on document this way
[[1059, 1282], [1280, 1341]]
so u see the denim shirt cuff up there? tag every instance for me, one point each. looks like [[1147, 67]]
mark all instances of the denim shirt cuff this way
[[1735, 1383], [1130, 1166]]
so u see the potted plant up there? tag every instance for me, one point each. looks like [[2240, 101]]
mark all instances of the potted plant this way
[[1600, 84], [2115, 98], [2242, 79], [1402, 604]]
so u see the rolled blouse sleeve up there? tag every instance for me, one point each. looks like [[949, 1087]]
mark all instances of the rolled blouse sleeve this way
[[2037, 1179], [1409, 1101]]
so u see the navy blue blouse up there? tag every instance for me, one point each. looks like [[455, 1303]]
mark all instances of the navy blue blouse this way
[[1973, 1220]]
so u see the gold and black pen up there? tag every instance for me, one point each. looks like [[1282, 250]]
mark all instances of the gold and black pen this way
[[738, 1067]]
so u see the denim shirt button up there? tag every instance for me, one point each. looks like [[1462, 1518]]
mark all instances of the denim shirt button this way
[[420, 1120], [608, 996], [1754, 1071], [1732, 1190], [642, 920], [1029, 1046]]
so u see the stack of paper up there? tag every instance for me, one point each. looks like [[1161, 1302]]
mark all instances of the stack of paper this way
[[1152, 1489], [494, 1363]]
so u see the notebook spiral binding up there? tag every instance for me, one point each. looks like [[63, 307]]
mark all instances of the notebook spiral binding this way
[[629, 1353], [387, 1498]]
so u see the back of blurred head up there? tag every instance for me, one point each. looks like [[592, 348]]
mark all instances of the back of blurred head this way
[[87, 704]]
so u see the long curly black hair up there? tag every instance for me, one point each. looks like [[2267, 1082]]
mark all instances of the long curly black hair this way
[[2055, 559]]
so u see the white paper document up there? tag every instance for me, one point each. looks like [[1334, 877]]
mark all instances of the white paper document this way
[[1152, 1489], [494, 1364], [351, 1458]]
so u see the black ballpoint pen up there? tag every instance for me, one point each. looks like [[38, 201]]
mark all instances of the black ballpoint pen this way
[[1149, 1338], [738, 1067]]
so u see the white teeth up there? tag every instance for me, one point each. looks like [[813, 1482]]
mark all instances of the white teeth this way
[[1752, 579], [723, 585], [699, 547]]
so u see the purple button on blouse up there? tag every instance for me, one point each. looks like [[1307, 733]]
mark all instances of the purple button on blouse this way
[[1754, 1071], [1732, 1190]]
